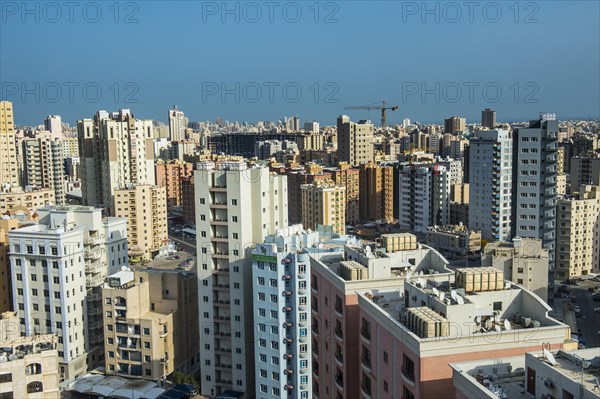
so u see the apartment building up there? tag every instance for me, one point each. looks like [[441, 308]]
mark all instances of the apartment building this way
[[490, 184], [236, 206], [7, 223], [534, 181], [170, 175], [151, 323], [410, 334], [577, 233], [145, 208], [355, 141], [488, 118], [340, 269], [177, 124], [296, 177], [455, 124], [585, 170], [376, 192], [116, 149], [44, 164], [29, 365], [324, 203], [281, 277], [28, 198], [188, 199], [344, 175], [423, 196], [9, 167], [523, 261]]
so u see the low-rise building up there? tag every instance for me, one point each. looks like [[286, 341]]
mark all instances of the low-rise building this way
[[409, 334], [28, 365], [541, 375], [151, 323], [524, 261], [456, 239], [30, 198]]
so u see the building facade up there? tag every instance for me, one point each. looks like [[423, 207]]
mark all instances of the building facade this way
[[376, 192], [355, 141], [324, 203], [170, 175]]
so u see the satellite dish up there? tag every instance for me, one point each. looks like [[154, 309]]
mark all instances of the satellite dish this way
[[585, 364], [124, 268], [12, 357], [453, 295], [507, 326], [497, 327], [460, 300], [3, 359], [435, 292], [442, 296], [548, 355]]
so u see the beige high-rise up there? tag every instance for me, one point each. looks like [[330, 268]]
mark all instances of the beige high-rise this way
[[116, 149], [376, 192], [355, 141], [145, 208], [9, 176], [44, 164], [577, 229], [324, 203]]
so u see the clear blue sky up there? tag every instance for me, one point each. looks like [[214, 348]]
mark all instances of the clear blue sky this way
[[544, 57]]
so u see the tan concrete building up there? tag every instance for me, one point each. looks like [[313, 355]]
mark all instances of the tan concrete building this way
[[30, 198], [348, 177], [459, 193], [324, 203], [6, 224], [70, 147], [151, 323], [376, 189], [585, 170], [145, 208], [355, 141], [44, 163], [28, 365], [454, 238], [577, 230], [169, 175], [524, 261], [116, 149], [561, 185], [9, 174]]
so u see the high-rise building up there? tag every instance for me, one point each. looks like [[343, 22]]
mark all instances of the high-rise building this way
[[455, 124], [169, 175], [115, 149], [376, 189], [53, 124], [577, 230], [177, 124], [423, 196], [355, 141], [9, 167], [44, 164], [324, 203], [488, 118], [311, 127], [523, 261], [145, 208], [151, 323], [490, 183], [585, 170], [7, 224], [348, 177], [236, 206], [188, 200], [534, 181], [281, 292], [29, 364]]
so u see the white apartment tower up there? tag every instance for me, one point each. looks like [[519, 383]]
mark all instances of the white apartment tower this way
[[53, 124], [115, 149], [423, 196], [237, 206], [281, 287], [57, 268], [44, 163], [490, 173], [177, 124]]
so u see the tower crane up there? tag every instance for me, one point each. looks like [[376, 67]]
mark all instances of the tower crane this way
[[382, 107]]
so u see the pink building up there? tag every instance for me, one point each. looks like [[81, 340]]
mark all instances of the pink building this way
[[338, 272], [410, 334]]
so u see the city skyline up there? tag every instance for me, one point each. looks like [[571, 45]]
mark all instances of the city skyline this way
[[232, 65]]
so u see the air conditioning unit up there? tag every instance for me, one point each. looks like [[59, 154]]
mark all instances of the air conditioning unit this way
[[549, 383]]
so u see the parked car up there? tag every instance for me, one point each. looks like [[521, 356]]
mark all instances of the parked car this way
[[576, 308], [597, 310]]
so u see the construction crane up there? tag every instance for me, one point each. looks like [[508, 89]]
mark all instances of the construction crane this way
[[382, 107]]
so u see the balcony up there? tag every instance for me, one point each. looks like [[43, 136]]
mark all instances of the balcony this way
[[288, 324], [339, 334], [164, 360], [93, 281], [365, 335], [218, 189], [218, 205], [339, 358], [366, 363], [216, 238], [220, 255], [92, 253], [219, 222], [288, 371], [339, 382], [365, 390], [408, 377]]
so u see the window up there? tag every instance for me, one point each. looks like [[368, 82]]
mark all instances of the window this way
[[146, 331], [261, 281], [408, 368], [498, 306]]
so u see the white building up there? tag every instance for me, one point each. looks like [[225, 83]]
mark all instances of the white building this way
[[490, 184], [236, 207], [424, 196], [311, 127], [115, 149], [177, 124], [281, 288], [57, 268], [53, 124]]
